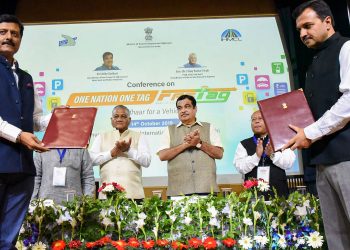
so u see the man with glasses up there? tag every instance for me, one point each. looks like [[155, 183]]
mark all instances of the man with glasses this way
[[121, 153]]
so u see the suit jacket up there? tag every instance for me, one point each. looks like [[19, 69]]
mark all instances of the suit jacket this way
[[16, 108]]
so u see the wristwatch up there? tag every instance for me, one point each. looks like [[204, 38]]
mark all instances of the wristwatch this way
[[272, 156], [199, 144]]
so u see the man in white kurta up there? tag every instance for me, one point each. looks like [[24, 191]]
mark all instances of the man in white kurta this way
[[121, 154]]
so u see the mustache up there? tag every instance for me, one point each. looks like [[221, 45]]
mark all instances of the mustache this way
[[8, 42], [305, 38]]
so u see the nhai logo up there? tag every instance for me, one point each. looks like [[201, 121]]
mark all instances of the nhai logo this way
[[67, 41], [231, 35]]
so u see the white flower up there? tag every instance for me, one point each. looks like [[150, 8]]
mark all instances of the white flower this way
[[226, 209], [187, 220], [301, 241], [39, 246], [282, 242], [20, 245], [31, 209], [212, 210], [214, 222], [263, 186], [142, 216], [168, 212], [155, 230], [246, 242], [172, 217], [306, 203], [274, 224], [48, 203], [300, 211], [315, 240], [64, 217], [262, 240], [247, 221], [22, 230], [140, 223], [107, 222], [257, 215], [108, 188]]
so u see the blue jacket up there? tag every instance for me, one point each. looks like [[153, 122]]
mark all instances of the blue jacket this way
[[16, 107]]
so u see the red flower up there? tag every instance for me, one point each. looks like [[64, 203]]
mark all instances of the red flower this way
[[195, 242], [148, 244], [162, 243], [103, 241], [119, 244], [102, 187], [118, 187], [209, 243], [133, 242], [250, 183], [178, 245], [90, 244], [58, 245], [74, 244], [229, 242]]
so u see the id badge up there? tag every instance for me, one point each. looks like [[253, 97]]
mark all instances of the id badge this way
[[264, 173], [59, 176]]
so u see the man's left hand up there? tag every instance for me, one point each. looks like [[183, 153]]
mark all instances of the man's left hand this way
[[193, 138], [299, 141], [124, 145], [268, 149]]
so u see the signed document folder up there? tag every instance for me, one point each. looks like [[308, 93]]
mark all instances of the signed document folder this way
[[280, 111], [70, 128]]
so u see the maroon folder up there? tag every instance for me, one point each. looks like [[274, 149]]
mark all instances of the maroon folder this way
[[70, 128], [280, 111]]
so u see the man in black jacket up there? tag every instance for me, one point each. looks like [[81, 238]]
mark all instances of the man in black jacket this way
[[327, 89]]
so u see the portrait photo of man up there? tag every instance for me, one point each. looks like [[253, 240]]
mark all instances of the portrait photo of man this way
[[192, 61], [107, 62]]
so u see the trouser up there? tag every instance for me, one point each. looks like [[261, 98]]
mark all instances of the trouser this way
[[15, 193], [333, 187]]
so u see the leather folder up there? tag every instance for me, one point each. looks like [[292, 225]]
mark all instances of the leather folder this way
[[70, 128], [280, 111]]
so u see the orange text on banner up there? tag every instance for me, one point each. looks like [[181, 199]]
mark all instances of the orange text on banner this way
[[112, 98]]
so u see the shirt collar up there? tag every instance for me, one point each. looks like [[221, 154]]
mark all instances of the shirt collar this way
[[196, 122]]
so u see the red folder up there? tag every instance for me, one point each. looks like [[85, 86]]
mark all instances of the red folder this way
[[280, 111], [70, 128]]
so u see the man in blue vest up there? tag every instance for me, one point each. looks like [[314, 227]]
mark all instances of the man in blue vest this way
[[20, 113], [327, 89]]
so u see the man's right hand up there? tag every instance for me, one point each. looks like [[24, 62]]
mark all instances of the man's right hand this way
[[32, 142], [259, 148]]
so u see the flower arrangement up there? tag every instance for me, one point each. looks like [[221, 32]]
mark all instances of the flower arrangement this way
[[237, 221]]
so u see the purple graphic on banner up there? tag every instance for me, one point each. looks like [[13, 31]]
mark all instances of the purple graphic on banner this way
[[280, 88]]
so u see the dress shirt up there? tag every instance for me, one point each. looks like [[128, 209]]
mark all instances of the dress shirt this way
[[10, 132], [339, 114], [214, 136], [245, 163], [141, 155]]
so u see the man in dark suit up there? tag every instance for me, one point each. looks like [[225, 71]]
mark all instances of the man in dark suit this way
[[327, 90], [255, 158], [20, 113]]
